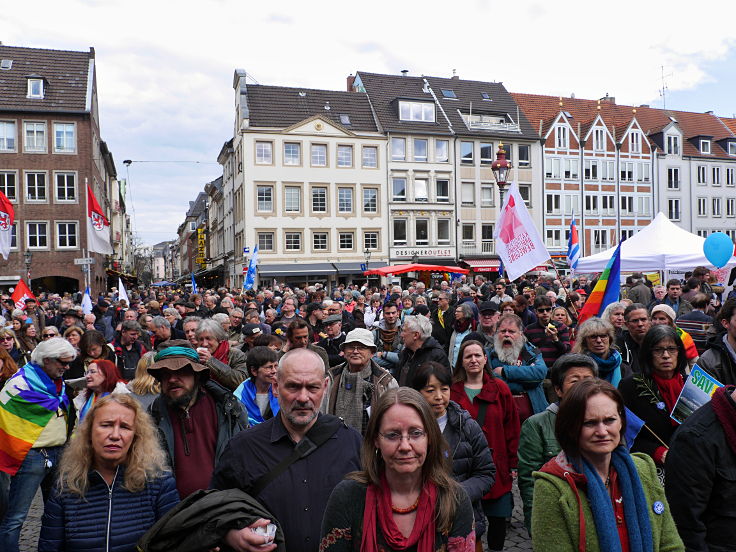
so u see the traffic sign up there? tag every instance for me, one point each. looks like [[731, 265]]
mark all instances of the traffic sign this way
[[363, 267], [246, 250], [84, 261]]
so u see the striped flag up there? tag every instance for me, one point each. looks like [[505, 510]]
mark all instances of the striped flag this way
[[573, 246], [250, 276], [606, 290]]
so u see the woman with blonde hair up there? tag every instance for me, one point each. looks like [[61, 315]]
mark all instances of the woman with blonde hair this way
[[113, 482], [8, 367], [144, 387], [596, 339]]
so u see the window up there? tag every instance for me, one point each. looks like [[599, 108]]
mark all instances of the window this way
[[643, 205], [486, 236], [398, 149], [716, 176], [673, 209], [345, 119], [399, 232], [265, 241], [345, 156], [468, 232], [673, 178], [264, 153], [443, 231], [319, 241], [525, 191], [572, 204], [35, 137], [370, 240], [37, 234], [552, 167], [66, 235], [7, 185], [600, 240], [448, 93], [554, 238], [732, 148], [591, 169], [292, 153], [730, 207], [673, 145], [421, 236], [293, 241], [553, 204], [731, 234], [421, 193], [192, 226], [6, 64], [35, 88], [7, 136], [702, 206], [466, 152], [486, 153], [524, 156], [702, 233], [443, 190], [591, 204], [486, 195], [420, 150], [319, 155], [416, 111], [635, 142], [572, 169], [702, 174], [626, 234], [486, 96], [66, 189], [14, 236], [509, 149], [642, 172], [398, 189], [36, 186], [627, 171], [717, 207], [64, 139], [608, 171], [730, 181], [292, 199], [607, 204], [370, 200], [344, 200], [468, 194], [265, 198], [441, 151], [599, 139], [562, 139], [705, 146], [370, 157], [627, 204], [319, 200]]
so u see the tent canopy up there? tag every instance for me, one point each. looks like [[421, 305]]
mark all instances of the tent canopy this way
[[401, 269], [661, 245]]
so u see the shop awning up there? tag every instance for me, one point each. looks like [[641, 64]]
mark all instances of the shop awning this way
[[297, 269], [402, 269], [483, 265]]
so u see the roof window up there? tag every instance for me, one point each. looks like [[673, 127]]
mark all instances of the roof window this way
[[449, 93], [345, 119], [35, 88], [6, 64], [485, 96], [567, 114]]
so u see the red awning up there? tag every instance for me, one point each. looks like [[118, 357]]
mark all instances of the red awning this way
[[401, 269], [483, 265]]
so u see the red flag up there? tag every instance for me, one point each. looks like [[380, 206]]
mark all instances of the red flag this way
[[20, 294], [98, 227], [7, 217]]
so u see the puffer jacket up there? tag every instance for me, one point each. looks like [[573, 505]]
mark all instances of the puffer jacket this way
[[472, 460], [410, 360], [108, 518]]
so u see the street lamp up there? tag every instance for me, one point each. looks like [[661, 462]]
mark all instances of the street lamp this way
[[367, 254], [28, 258], [501, 170]]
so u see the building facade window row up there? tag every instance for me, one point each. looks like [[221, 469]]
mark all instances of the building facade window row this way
[[35, 186], [319, 155], [321, 240], [45, 235], [34, 137]]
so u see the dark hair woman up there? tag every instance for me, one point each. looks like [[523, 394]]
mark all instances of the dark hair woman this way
[[594, 495], [472, 463], [92, 346], [256, 392], [652, 393]]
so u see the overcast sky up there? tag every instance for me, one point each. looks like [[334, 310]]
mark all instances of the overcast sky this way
[[164, 69]]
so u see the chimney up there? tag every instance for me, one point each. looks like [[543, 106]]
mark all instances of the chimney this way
[[455, 75], [709, 113], [644, 105], [351, 80], [404, 72], [609, 99]]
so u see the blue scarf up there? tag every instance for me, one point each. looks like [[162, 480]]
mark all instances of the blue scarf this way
[[636, 509], [609, 369], [246, 394]]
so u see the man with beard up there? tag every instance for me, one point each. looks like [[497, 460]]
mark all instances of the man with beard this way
[[196, 416], [309, 453], [520, 365], [638, 323]]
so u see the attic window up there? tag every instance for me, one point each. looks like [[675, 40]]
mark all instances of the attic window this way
[[567, 114], [345, 119], [6, 64], [448, 93], [732, 148], [485, 96], [35, 88], [705, 146]]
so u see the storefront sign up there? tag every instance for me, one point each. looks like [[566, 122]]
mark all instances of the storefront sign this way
[[201, 245], [424, 252]]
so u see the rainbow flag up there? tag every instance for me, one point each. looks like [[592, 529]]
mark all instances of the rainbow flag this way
[[27, 402], [606, 290], [691, 351]]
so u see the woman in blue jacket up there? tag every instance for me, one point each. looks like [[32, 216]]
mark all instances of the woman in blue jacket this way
[[113, 482]]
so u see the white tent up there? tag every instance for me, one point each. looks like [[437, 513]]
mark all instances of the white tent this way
[[662, 245]]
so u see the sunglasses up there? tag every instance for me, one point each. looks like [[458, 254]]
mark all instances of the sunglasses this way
[[47, 335], [6, 338], [544, 309]]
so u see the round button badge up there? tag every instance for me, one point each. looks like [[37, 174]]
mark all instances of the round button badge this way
[[658, 508]]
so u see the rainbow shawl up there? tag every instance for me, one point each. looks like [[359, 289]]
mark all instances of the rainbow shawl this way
[[27, 402], [691, 351]]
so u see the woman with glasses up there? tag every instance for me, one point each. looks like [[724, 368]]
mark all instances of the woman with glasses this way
[[102, 378], [405, 497], [49, 332], [256, 392], [9, 342], [652, 394], [596, 338]]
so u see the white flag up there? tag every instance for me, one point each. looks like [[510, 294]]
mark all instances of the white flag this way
[[7, 216], [86, 302], [517, 241], [98, 227], [122, 294]]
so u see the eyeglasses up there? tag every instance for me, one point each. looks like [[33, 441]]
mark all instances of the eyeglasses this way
[[544, 309], [6, 338], [660, 351], [355, 347], [63, 362], [602, 337], [395, 437]]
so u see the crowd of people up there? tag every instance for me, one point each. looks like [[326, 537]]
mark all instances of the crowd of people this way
[[365, 418]]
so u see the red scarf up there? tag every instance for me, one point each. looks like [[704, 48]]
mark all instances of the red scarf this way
[[222, 353], [378, 507], [670, 390]]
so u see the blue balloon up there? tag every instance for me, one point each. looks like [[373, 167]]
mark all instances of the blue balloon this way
[[718, 249]]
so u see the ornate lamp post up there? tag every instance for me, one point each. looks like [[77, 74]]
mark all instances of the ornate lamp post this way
[[28, 258], [367, 254], [501, 171]]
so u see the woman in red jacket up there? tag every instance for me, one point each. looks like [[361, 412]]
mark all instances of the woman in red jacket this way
[[490, 402]]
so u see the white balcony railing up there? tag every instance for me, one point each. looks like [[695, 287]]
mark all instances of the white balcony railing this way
[[485, 247]]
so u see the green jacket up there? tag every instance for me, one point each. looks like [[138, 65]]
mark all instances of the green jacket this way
[[537, 445], [555, 523]]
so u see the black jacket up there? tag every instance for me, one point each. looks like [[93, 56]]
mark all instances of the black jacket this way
[[332, 346], [701, 483], [629, 350], [440, 333], [410, 360], [717, 361]]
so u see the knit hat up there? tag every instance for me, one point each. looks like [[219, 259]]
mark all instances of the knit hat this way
[[669, 311]]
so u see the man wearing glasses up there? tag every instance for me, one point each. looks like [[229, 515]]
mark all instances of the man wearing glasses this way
[[550, 337], [31, 450]]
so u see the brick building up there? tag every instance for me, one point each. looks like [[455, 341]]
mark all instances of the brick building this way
[[50, 149]]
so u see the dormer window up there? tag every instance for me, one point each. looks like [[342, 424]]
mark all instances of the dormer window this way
[[345, 119], [705, 146], [673, 145], [416, 111], [635, 142], [732, 148], [35, 88]]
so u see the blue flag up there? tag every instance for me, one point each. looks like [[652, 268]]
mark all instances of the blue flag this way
[[87, 302], [500, 268], [633, 426], [194, 284], [250, 277]]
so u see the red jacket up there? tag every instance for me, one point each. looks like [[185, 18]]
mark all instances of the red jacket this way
[[500, 426]]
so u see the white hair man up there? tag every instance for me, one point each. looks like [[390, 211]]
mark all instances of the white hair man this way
[[419, 347]]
